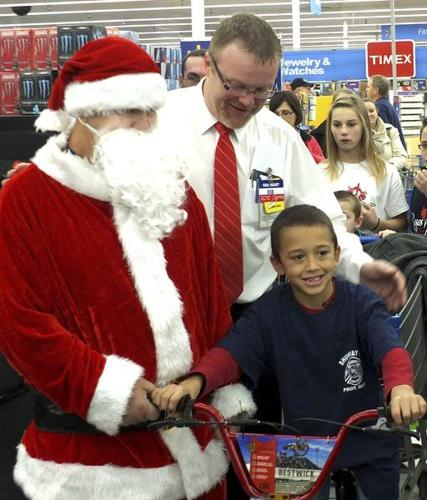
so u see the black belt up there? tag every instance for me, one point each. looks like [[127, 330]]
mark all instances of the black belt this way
[[49, 417]]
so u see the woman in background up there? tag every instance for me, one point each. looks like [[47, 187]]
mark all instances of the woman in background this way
[[386, 138], [354, 165], [286, 105]]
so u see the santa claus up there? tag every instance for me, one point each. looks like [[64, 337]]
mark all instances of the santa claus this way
[[109, 287]]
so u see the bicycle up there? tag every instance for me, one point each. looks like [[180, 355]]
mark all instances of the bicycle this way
[[279, 466]]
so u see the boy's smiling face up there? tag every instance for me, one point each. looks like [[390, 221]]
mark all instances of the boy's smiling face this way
[[309, 259]]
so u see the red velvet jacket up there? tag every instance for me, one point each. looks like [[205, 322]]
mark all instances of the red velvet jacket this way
[[72, 324]]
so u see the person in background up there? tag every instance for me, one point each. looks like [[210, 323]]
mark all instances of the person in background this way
[[419, 196], [324, 339], [286, 105], [351, 208], [301, 87], [319, 133], [377, 89], [354, 165], [193, 68], [90, 314], [386, 138]]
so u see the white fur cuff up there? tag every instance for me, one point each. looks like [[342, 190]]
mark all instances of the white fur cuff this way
[[232, 400], [112, 393]]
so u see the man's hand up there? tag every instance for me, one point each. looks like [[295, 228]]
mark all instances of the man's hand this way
[[139, 407], [16, 167], [387, 281], [406, 406], [167, 398], [421, 181]]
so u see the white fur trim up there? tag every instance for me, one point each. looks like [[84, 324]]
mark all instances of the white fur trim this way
[[71, 170], [46, 480], [159, 297], [200, 470], [232, 400], [54, 120], [157, 293], [112, 393], [144, 91]]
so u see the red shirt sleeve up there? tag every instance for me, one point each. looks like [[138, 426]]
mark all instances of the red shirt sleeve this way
[[397, 369], [218, 368]]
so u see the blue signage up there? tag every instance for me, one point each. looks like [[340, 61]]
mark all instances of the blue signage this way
[[324, 65], [405, 31], [315, 7], [331, 65]]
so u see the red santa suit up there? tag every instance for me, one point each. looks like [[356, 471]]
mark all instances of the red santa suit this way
[[88, 304]]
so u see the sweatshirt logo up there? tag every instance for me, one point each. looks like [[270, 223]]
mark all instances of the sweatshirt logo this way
[[353, 371]]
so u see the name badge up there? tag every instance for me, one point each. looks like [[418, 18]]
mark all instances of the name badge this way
[[270, 196]]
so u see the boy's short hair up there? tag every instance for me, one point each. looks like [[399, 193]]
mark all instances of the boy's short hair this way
[[299, 215], [352, 199]]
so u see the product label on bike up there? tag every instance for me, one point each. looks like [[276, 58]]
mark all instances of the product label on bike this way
[[284, 464]]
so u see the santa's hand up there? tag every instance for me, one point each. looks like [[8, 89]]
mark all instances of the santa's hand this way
[[16, 167], [140, 408], [387, 281]]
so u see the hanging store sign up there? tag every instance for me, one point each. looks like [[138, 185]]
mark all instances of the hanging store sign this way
[[417, 32], [379, 59]]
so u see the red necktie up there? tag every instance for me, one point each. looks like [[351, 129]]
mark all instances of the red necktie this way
[[228, 228]]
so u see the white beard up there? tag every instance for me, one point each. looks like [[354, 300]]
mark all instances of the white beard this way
[[144, 179]]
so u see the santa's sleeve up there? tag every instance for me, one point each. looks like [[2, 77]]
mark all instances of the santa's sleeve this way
[[233, 398], [51, 358]]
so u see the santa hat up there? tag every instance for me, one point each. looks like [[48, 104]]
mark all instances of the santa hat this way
[[109, 74]]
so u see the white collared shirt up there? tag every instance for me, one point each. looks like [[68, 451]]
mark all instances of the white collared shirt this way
[[266, 141]]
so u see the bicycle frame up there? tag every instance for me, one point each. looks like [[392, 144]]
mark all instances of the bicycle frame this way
[[230, 440]]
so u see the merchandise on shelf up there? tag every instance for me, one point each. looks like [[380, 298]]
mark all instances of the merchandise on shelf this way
[[169, 62], [72, 38], [9, 92], [410, 104], [35, 91], [7, 50]]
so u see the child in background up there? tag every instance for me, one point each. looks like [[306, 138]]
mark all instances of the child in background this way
[[324, 340], [351, 208]]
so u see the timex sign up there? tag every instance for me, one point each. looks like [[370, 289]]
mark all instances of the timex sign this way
[[379, 59]]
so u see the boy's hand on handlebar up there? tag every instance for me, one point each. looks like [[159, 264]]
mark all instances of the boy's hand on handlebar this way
[[405, 405], [167, 398]]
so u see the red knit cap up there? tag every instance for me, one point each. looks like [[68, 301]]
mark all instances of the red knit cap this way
[[109, 74]]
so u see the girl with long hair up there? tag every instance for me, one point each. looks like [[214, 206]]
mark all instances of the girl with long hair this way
[[353, 164]]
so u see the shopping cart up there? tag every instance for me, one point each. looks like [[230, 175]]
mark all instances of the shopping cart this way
[[411, 323]]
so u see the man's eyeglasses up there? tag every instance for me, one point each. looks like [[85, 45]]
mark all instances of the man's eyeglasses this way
[[242, 90], [422, 146]]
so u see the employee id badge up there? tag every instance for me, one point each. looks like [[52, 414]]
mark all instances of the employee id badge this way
[[267, 162], [271, 200]]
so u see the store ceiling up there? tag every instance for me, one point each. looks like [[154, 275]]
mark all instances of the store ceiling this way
[[166, 22]]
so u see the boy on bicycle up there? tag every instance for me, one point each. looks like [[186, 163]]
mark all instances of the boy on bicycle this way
[[324, 339]]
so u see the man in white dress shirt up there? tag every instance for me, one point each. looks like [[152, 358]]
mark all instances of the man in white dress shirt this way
[[241, 67]]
